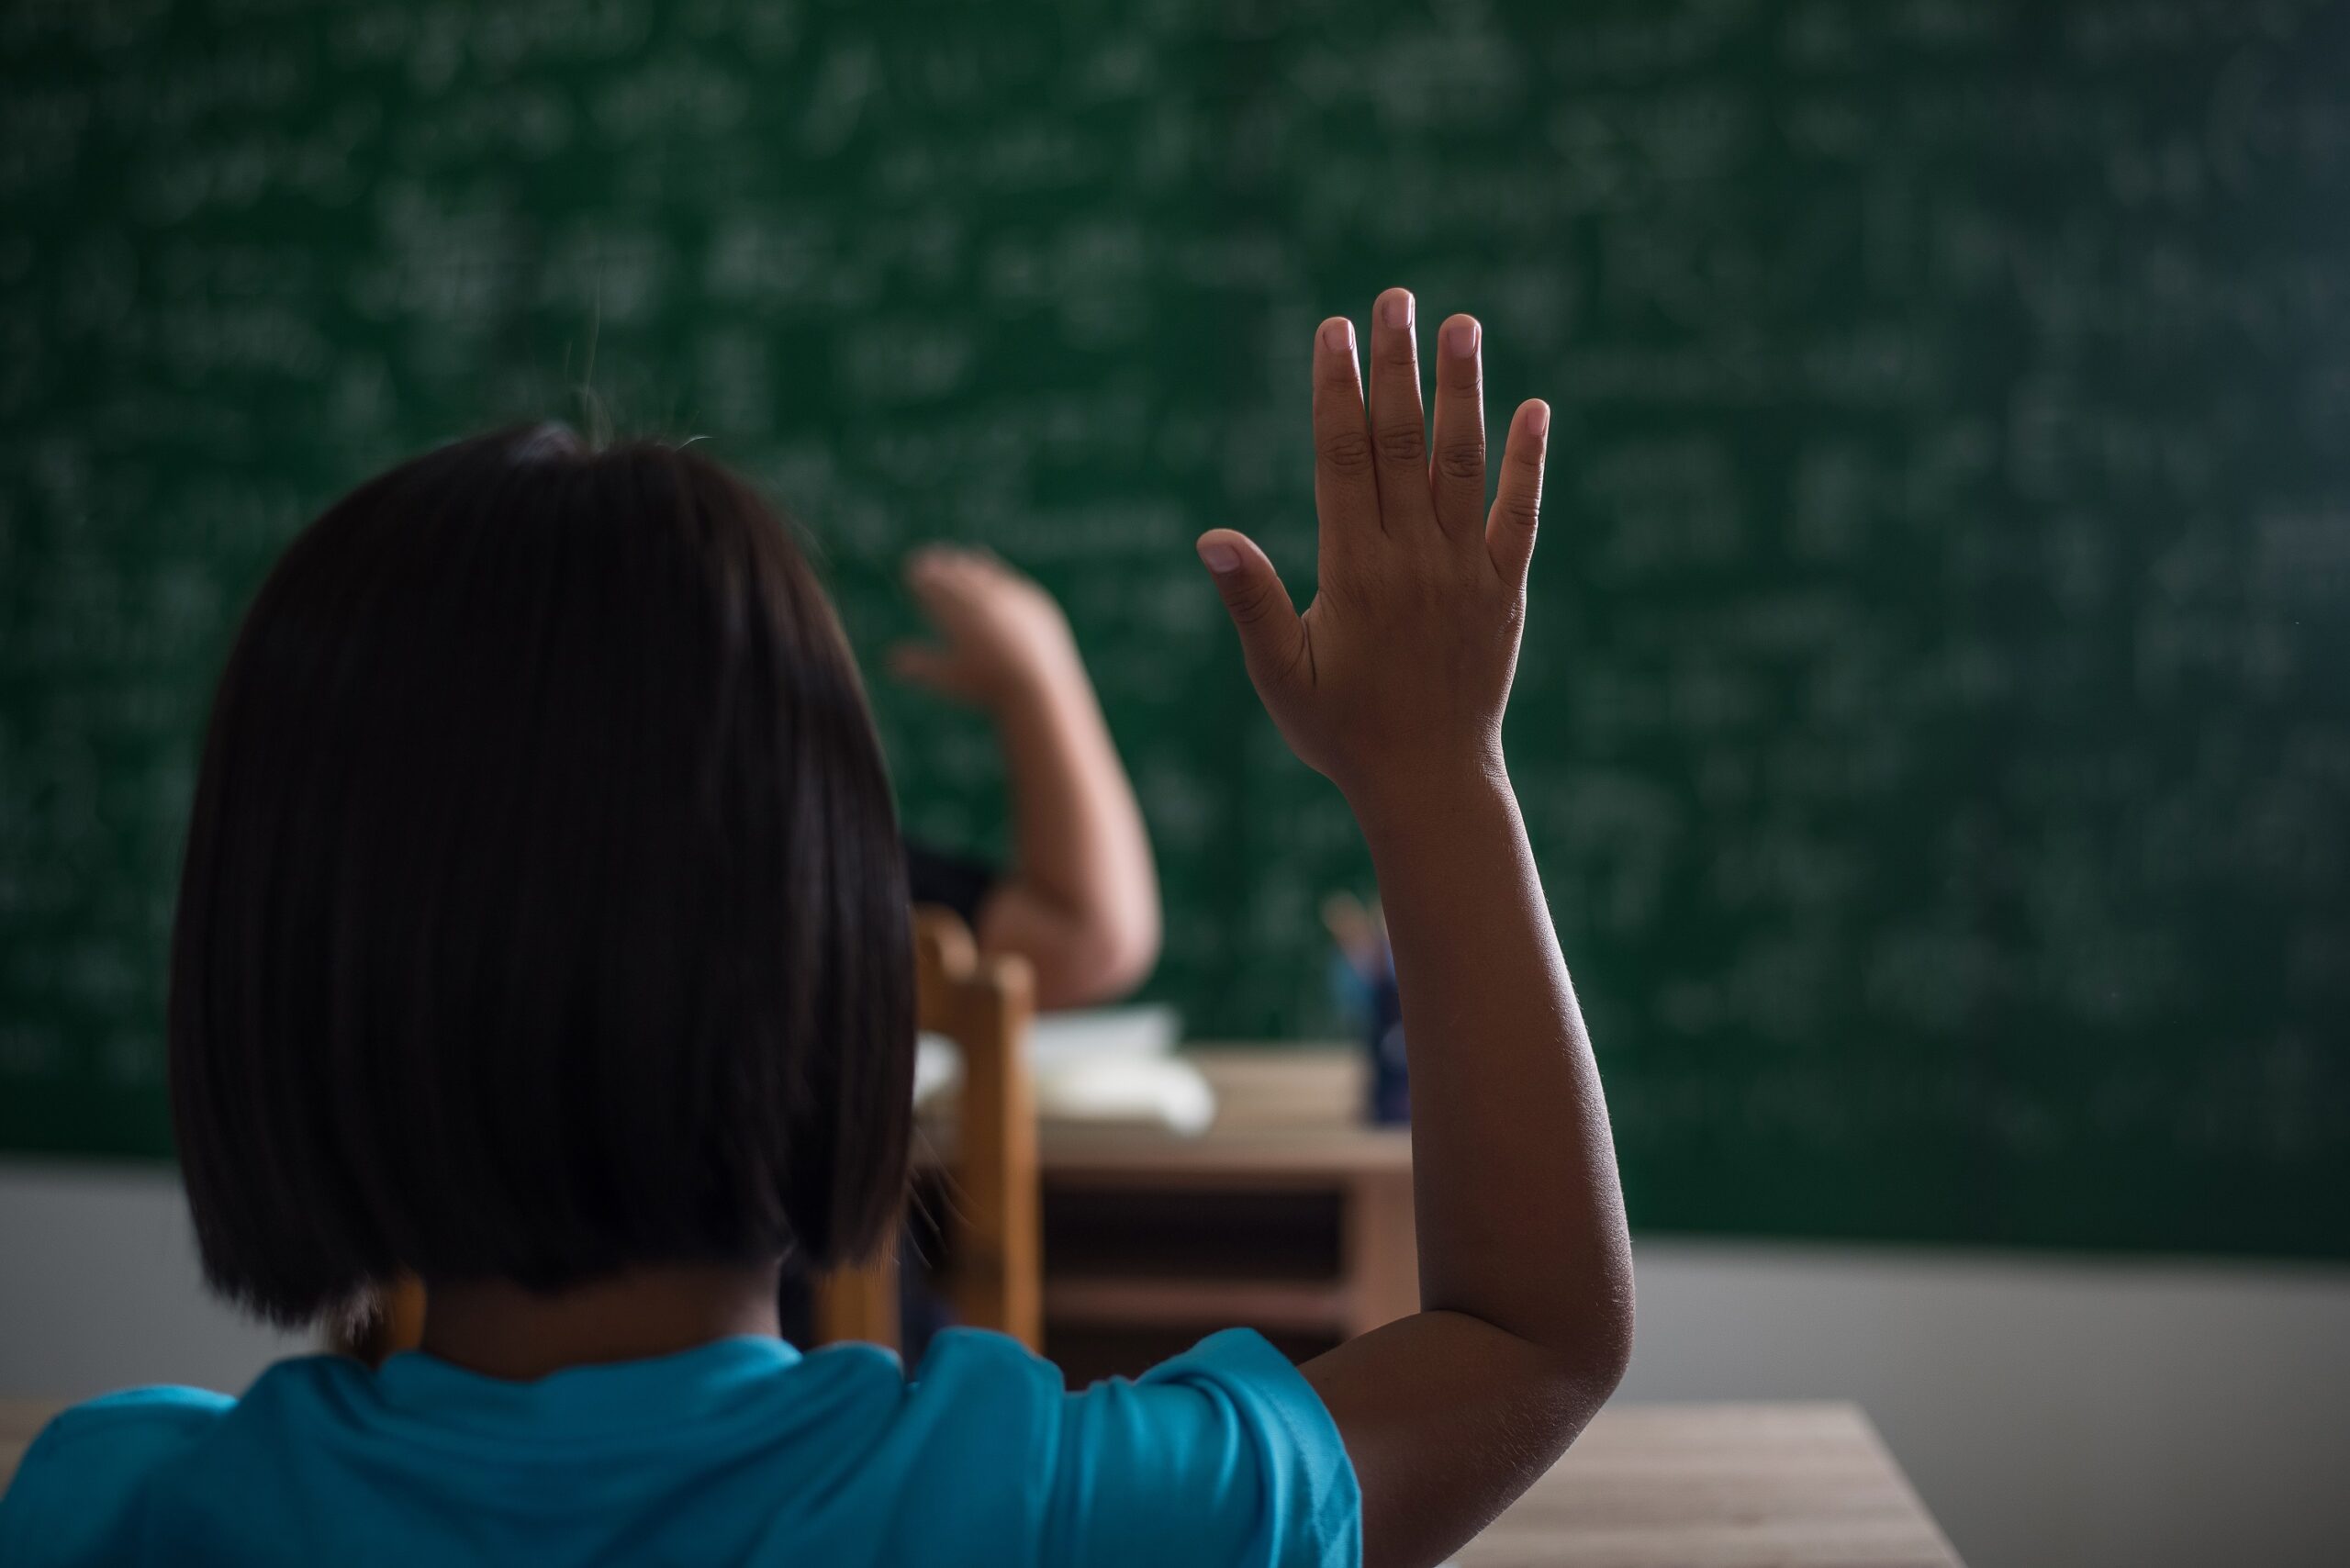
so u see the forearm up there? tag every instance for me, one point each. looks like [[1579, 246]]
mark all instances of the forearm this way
[[1526, 1273], [1520, 1212], [1083, 902]]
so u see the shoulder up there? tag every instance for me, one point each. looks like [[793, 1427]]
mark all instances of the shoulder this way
[[1224, 1453], [81, 1480], [121, 1430], [984, 1389], [981, 1362]]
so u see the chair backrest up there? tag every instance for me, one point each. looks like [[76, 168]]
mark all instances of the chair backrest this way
[[982, 1003]]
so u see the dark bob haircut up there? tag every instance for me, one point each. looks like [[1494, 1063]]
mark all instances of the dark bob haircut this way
[[544, 913]]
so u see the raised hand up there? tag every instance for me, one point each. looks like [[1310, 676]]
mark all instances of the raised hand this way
[[1392, 683], [999, 636], [1080, 898], [1398, 672]]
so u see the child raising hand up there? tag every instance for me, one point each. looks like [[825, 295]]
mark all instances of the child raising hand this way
[[544, 933], [1081, 903]]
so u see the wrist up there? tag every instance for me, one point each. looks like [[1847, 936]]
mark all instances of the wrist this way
[[1409, 800], [1043, 682]]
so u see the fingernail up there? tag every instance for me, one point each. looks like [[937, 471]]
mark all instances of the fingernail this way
[[1397, 308], [1220, 557], [1460, 338], [1338, 336], [1539, 422]]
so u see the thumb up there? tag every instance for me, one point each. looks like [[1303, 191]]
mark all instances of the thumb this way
[[1271, 640], [923, 664]]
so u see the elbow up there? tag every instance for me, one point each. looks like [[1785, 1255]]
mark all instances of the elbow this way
[[1608, 1348], [1120, 929], [1573, 1380], [1611, 1352], [1604, 1306], [1610, 1313], [1126, 928], [1100, 958], [1116, 958], [1129, 952], [1591, 1349]]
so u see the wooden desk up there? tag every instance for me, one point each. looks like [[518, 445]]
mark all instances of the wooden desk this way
[[1653, 1486], [1658, 1486], [1719, 1486], [1288, 1215]]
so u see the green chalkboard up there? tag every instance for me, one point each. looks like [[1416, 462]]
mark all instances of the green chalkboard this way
[[1934, 722]]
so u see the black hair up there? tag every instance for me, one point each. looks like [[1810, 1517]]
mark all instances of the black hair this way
[[543, 913]]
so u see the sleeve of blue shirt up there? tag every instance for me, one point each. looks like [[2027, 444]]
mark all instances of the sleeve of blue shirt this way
[[69, 1503], [1223, 1455]]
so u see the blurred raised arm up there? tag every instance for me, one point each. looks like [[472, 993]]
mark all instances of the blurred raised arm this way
[[1081, 899]]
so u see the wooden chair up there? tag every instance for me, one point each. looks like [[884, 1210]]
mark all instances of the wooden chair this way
[[995, 1266], [983, 1005], [392, 1322]]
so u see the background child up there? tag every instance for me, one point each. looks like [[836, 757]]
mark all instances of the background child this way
[[544, 933], [1081, 900]]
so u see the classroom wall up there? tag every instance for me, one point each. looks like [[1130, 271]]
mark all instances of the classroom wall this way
[[100, 1287], [2087, 1413], [2075, 1413]]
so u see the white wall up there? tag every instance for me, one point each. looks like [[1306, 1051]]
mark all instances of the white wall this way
[[2077, 1414], [99, 1288], [2057, 1412]]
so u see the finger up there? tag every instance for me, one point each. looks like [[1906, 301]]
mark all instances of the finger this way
[[1517, 503], [935, 576], [927, 568], [1399, 427], [1457, 474], [984, 562], [1345, 497], [1272, 639], [923, 665], [931, 560]]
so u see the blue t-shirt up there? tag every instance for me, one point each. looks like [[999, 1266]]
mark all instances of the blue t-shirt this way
[[740, 1451]]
